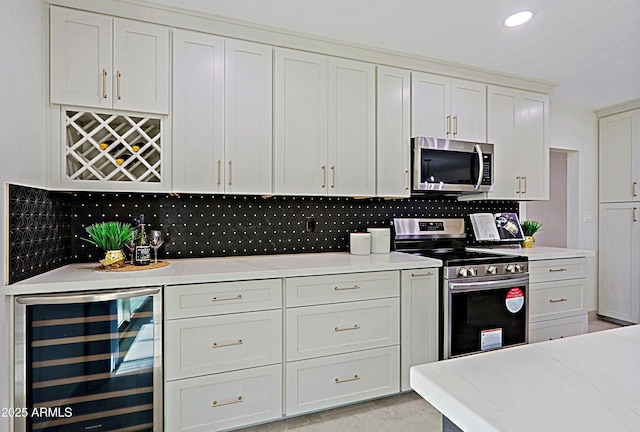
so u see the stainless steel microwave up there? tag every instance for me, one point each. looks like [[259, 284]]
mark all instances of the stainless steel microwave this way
[[451, 166]]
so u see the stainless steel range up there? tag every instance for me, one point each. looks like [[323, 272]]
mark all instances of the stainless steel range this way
[[483, 296]]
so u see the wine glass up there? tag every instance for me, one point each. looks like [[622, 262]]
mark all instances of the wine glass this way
[[131, 245], [155, 241]]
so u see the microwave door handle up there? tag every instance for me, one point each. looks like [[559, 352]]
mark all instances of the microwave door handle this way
[[480, 166]]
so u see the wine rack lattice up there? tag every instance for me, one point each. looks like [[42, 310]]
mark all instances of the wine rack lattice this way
[[113, 147]]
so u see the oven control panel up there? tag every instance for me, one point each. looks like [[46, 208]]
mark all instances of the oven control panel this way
[[483, 270]]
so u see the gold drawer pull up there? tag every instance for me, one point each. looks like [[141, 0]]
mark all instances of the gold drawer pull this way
[[217, 404], [561, 299], [346, 288], [355, 327], [561, 269], [421, 274], [340, 381], [226, 344], [217, 299]]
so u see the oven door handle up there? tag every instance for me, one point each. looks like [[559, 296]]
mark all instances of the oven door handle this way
[[87, 298], [480, 165], [487, 285]]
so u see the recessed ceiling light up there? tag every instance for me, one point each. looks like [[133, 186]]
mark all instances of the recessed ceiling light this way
[[518, 18]]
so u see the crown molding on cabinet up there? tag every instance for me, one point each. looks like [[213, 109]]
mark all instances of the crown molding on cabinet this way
[[618, 108], [193, 20]]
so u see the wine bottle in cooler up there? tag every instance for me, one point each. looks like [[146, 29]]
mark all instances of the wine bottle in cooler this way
[[142, 252]]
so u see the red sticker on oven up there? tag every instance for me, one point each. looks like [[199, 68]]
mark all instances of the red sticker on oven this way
[[514, 300]]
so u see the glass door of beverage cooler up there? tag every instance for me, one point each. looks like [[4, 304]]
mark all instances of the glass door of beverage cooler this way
[[89, 361]]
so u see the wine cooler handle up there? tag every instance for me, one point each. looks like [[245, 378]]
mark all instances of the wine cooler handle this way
[[87, 298]]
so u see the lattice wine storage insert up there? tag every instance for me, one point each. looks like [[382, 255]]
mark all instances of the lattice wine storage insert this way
[[113, 147]]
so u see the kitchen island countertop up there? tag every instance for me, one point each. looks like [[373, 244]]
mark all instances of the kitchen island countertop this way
[[536, 253], [85, 277], [587, 383]]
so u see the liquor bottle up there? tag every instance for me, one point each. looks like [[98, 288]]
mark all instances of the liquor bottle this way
[[142, 252]]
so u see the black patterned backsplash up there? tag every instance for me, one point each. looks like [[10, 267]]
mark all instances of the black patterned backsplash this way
[[227, 225]]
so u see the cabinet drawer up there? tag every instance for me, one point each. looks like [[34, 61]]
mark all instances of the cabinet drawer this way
[[549, 300], [338, 328], [199, 346], [302, 291], [330, 381], [558, 328], [183, 301], [559, 269], [223, 401]]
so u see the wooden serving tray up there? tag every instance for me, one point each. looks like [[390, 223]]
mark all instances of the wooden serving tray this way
[[131, 267]]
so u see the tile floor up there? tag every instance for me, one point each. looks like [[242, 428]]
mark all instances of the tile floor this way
[[407, 412]]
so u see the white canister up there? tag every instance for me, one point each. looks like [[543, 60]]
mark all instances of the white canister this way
[[380, 240], [360, 243]]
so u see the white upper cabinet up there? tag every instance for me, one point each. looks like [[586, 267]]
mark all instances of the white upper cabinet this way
[[394, 143], [518, 126], [444, 107], [352, 139], [620, 157], [103, 62], [324, 125], [222, 115]]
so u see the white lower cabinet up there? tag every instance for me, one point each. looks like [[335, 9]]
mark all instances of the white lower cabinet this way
[[556, 298], [223, 401], [325, 382]]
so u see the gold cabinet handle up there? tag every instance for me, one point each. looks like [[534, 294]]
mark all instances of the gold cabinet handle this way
[[561, 299], [219, 178], [333, 176], [354, 327], [118, 76], [217, 299], [104, 83], [448, 124], [455, 125], [421, 274], [356, 377], [226, 344], [633, 188], [217, 404], [519, 184], [525, 184], [230, 173], [337, 288], [406, 180], [324, 176], [561, 269]]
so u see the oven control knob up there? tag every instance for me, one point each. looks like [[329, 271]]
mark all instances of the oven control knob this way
[[472, 272], [519, 268], [463, 272], [492, 270], [510, 268]]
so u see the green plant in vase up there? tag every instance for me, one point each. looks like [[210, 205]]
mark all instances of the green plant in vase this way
[[111, 237], [529, 228]]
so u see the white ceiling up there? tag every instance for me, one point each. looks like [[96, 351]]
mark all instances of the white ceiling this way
[[591, 48]]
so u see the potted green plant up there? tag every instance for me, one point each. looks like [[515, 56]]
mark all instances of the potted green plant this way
[[111, 237], [529, 228]]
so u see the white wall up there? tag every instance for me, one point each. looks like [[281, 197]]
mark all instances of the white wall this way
[[577, 129], [22, 127]]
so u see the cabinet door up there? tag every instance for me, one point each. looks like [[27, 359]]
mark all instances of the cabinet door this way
[[300, 128], [80, 60], [468, 110], [503, 134], [620, 157], [533, 146], [198, 107], [351, 125], [248, 117], [394, 143], [430, 105], [420, 320], [619, 280], [140, 66]]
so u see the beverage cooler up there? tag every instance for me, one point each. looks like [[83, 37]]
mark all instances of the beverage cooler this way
[[89, 361]]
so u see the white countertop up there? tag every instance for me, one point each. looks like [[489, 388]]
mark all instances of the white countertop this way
[[536, 253], [82, 277], [583, 383]]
